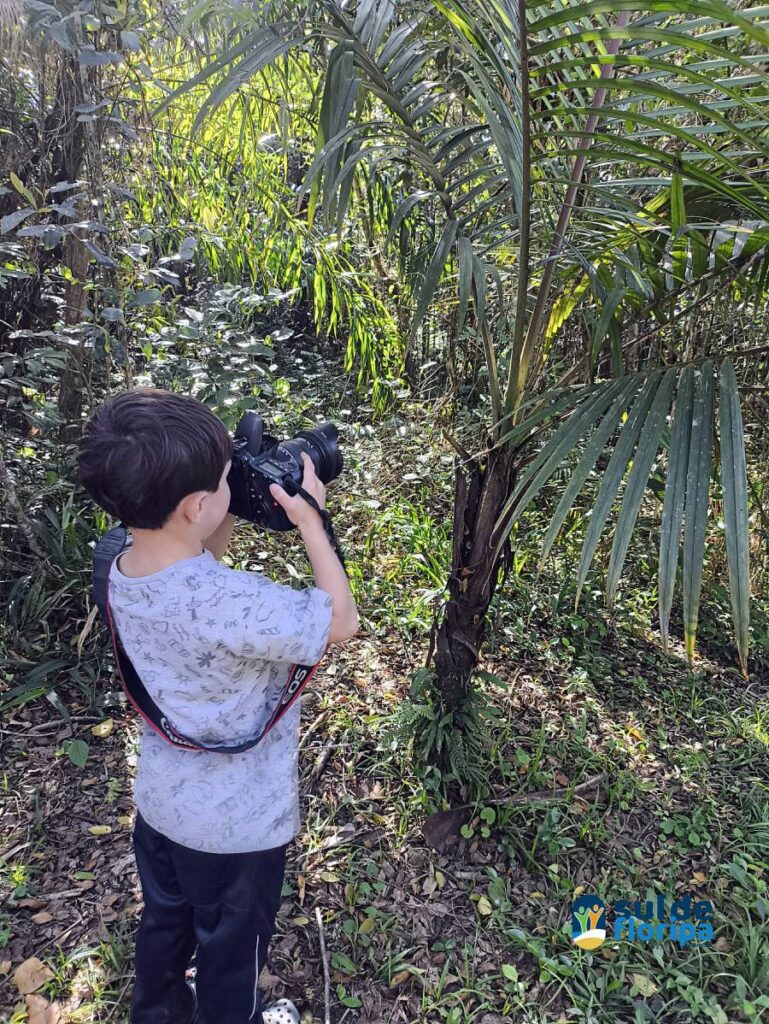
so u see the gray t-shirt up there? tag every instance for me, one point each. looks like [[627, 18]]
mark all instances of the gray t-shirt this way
[[213, 646]]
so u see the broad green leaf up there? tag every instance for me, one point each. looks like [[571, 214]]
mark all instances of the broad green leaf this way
[[696, 505], [21, 188], [735, 488], [11, 220], [675, 493], [76, 751], [643, 460]]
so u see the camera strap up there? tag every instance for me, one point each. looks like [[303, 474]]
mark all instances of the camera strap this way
[[107, 550], [327, 525]]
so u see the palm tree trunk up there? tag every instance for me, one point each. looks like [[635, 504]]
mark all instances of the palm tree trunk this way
[[478, 501]]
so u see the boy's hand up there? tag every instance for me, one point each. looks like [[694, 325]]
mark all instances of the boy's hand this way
[[296, 508]]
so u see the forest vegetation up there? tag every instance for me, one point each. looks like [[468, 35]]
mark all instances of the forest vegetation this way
[[518, 250]]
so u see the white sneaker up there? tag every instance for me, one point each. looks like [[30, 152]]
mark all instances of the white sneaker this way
[[282, 1012]]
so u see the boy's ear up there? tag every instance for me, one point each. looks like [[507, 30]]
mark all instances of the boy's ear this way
[[191, 506]]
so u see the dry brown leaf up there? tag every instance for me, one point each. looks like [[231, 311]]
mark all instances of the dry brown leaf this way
[[42, 918], [644, 985], [29, 976], [40, 1011], [399, 978]]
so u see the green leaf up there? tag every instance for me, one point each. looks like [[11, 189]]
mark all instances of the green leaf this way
[[145, 297], [99, 254], [608, 309], [9, 222], [636, 484], [675, 493], [696, 505], [593, 449], [564, 305], [554, 453], [21, 188], [510, 972], [76, 751], [434, 273], [735, 488], [130, 41], [465, 263], [613, 475], [680, 248], [341, 962]]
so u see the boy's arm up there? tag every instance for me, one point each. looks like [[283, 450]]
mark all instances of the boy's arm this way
[[331, 577], [219, 540], [327, 569]]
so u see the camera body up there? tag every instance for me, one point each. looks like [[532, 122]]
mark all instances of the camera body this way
[[259, 460]]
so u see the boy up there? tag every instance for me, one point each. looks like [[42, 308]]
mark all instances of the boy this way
[[213, 646]]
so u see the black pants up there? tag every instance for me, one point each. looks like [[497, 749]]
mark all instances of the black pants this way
[[222, 903]]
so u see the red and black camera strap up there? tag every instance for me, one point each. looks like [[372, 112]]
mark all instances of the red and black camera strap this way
[[106, 551]]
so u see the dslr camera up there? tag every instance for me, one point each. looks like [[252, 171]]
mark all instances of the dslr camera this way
[[259, 460]]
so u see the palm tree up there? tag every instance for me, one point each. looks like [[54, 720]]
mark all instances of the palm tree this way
[[539, 162]]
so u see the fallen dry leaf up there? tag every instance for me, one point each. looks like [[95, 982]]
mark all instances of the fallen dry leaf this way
[[42, 918], [484, 906], [103, 729], [29, 976], [644, 985], [399, 978], [40, 1011]]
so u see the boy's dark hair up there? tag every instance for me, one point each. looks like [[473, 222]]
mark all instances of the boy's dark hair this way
[[146, 449]]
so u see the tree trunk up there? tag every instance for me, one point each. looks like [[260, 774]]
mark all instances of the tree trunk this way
[[478, 502]]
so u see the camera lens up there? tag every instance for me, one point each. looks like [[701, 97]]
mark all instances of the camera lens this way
[[320, 443]]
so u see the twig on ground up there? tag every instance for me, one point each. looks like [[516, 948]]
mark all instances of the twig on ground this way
[[322, 760], [326, 977], [313, 727]]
